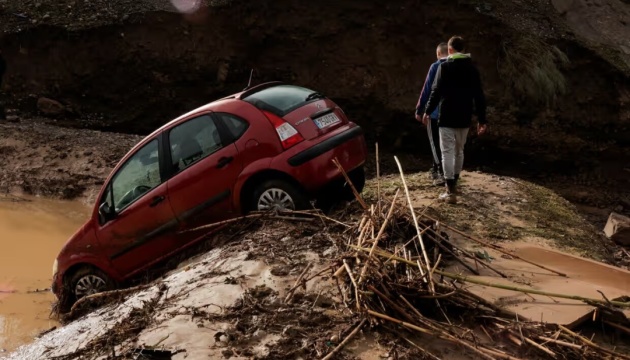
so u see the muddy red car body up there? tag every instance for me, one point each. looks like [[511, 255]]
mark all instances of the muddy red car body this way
[[267, 147]]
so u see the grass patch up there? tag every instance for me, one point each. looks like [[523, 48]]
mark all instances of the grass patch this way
[[553, 217], [532, 68]]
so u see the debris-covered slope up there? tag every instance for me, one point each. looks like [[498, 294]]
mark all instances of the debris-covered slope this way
[[356, 285]]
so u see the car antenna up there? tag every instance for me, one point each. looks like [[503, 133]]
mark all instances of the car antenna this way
[[249, 83]]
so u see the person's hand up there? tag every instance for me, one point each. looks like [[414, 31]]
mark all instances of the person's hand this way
[[419, 117], [426, 119], [481, 129]]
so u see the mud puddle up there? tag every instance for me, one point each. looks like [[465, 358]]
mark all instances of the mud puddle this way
[[32, 232]]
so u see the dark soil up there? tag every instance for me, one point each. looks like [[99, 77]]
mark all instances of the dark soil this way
[[130, 66]]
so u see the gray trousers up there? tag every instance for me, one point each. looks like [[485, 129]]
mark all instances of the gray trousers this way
[[452, 141]]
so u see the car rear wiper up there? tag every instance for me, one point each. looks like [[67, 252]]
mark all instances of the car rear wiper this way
[[314, 95]]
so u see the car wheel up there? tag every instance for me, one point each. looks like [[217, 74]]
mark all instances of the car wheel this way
[[87, 281], [277, 195], [357, 176]]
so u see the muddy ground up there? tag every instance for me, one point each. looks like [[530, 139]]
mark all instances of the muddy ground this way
[[240, 300]]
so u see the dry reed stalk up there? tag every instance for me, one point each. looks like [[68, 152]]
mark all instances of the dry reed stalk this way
[[496, 247], [378, 237], [415, 221], [297, 283], [354, 190], [345, 341]]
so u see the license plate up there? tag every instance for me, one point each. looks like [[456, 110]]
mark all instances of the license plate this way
[[326, 120]]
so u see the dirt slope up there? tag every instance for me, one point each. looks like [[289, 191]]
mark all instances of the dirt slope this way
[[43, 159]]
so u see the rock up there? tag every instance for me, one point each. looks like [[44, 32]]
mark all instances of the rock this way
[[618, 229], [50, 106]]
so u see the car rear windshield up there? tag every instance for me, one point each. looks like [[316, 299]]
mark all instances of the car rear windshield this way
[[282, 99]]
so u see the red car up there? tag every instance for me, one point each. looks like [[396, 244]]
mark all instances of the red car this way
[[268, 147]]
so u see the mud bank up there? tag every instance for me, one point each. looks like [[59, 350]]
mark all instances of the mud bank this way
[[43, 159]]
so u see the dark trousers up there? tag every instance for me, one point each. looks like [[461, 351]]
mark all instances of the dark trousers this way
[[434, 140]]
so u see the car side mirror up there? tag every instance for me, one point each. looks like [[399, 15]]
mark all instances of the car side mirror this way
[[105, 213]]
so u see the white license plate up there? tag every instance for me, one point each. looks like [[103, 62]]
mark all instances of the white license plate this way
[[326, 120]]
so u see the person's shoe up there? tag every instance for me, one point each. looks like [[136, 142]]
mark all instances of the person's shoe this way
[[432, 173], [449, 196], [438, 179]]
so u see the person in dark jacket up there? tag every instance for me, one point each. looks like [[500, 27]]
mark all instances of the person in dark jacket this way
[[432, 126], [458, 93], [3, 69]]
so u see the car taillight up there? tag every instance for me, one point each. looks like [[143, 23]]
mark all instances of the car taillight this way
[[286, 132]]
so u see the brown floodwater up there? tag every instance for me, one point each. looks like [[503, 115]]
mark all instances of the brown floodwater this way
[[32, 232]]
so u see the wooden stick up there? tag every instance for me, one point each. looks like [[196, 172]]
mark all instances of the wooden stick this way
[[354, 190], [378, 237], [592, 344], [297, 283], [385, 254], [514, 339], [618, 327], [356, 288], [429, 332], [203, 227], [391, 303], [457, 258], [498, 353], [496, 247], [560, 342], [420, 348], [339, 271], [539, 347], [104, 294], [415, 221], [321, 216], [467, 254], [345, 341]]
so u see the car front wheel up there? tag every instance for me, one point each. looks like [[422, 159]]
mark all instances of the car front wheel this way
[[278, 195], [87, 281]]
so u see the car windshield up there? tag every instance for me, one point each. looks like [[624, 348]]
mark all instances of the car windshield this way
[[282, 99]]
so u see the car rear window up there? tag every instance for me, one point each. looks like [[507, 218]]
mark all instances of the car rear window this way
[[281, 99]]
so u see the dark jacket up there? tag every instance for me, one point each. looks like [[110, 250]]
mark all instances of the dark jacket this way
[[458, 92], [426, 90]]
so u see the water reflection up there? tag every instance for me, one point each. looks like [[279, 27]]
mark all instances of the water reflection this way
[[32, 232]]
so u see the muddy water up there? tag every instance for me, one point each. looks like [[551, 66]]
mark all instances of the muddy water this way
[[32, 232]]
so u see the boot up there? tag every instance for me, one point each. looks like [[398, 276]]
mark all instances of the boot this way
[[449, 195], [456, 188]]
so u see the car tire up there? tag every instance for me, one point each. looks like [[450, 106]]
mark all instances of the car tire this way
[[87, 281], [280, 194], [357, 176]]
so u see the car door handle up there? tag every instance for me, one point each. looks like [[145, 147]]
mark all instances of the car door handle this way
[[156, 200], [224, 161]]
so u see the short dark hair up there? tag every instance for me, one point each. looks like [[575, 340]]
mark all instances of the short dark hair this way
[[443, 48], [456, 43]]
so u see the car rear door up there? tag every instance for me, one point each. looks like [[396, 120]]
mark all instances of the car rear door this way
[[205, 165], [142, 227]]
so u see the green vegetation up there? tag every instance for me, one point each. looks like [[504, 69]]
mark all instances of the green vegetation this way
[[533, 69]]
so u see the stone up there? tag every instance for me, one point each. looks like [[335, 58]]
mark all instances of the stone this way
[[618, 229], [50, 107]]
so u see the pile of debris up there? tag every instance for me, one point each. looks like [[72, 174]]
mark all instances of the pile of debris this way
[[395, 276]]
